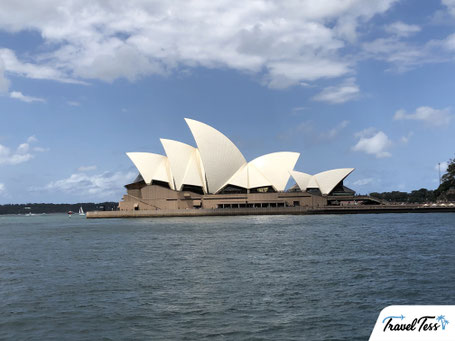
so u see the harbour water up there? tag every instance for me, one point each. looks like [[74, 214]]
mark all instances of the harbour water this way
[[218, 278]]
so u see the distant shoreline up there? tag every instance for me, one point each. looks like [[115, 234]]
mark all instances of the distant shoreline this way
[[48, 208]]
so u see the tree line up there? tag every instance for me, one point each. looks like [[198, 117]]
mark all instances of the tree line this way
[[57, 208], [445, 191], [418, 196]]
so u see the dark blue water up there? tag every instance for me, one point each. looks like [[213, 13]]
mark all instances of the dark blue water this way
[[236, 278]]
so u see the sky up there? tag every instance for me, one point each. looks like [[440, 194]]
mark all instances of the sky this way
[[346, 83]]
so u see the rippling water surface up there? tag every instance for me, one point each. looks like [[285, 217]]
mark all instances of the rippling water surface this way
[[235, 278]]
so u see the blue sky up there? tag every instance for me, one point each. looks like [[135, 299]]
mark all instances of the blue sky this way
[[352, 83]]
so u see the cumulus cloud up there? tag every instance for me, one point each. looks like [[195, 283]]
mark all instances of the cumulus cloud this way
[[346, 91], [97, 185], [450, 4], [431, 116], [7, 157], [401, 29], [32, 139], [373, 142], [404, 55], [401, 54], [449, 42], [285, 42], [23, 153], [2, 189], [28, 99], [33, 70]]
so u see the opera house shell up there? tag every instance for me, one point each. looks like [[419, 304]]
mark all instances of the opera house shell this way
[[215, 174]]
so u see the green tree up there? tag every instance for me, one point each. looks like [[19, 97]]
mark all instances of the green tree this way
[[449, 177], [447, 181], [421, 195]]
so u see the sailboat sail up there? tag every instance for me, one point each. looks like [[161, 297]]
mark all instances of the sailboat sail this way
[[81, 211]]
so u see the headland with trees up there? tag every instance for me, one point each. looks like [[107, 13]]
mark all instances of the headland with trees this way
[[445, 192]]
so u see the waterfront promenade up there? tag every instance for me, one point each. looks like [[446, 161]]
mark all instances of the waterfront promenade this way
[[271, 211]]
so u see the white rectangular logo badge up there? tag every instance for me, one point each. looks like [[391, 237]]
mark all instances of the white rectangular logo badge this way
[[415, 322]]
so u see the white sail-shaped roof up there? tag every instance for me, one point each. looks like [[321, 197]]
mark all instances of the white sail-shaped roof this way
[[256, 178], [276, 166], [240, 178], [302, 179], [152, 167], [201, 167], [313, 183], [194, 174], [184, 162], [217, 162], [220, 157], [248, 176], [266, 170], [329, 179], [325, 181]]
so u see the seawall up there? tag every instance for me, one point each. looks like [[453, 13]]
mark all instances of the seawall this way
[[267, 211]]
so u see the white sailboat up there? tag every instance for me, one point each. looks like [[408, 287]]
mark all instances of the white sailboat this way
[[81, 211]]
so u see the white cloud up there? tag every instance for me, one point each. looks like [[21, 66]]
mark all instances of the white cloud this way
[[86, 168], [32, 139], [401, 29], [363, 182], [23, 148], [346, 91], [33, 70], [401, 54], [404, 55], [97, 185], [431, 116], [450, 4], [283, 74], [12, 158], [73, 103], [286, 42], [373, 142], [21, 97], [449, 42], [23, 153], [2, 189]]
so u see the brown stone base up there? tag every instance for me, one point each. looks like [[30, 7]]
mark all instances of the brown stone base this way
[[268, 211]]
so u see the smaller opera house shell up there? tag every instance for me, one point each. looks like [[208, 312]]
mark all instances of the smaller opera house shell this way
[[217, 175]]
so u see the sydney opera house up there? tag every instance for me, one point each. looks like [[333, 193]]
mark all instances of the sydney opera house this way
[[215, 175]]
